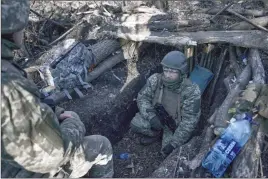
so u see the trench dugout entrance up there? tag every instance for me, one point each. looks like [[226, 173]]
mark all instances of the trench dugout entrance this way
[[108, 108]]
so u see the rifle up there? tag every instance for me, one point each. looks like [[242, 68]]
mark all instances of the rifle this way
[[165, 118]]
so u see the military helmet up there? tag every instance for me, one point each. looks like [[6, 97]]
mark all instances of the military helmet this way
[[175, 60], [14, 15]]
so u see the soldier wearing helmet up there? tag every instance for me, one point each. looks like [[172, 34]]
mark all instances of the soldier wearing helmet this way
[[34, 139], [179, 97]]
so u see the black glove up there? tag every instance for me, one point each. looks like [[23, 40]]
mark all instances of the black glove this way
[[167, 150], [156, 124]]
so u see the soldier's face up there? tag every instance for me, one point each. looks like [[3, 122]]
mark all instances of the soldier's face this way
[[171, 74]]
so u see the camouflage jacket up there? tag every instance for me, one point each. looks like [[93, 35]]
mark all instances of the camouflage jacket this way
[[32, 137], [190, 96]]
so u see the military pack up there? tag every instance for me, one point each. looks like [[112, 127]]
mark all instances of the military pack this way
[[66, 66]]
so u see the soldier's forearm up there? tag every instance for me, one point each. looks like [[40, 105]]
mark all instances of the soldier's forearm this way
[[73, 131]]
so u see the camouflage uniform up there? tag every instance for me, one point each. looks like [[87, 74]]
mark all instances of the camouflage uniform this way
[[183, 106], [32, 138], [180, 98]]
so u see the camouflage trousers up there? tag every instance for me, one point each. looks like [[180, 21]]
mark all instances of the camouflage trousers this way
[[95, 162], [142, 126]]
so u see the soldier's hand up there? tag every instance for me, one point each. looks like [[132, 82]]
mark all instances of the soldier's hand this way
[[64, 115], [156, 124], [167, 150]]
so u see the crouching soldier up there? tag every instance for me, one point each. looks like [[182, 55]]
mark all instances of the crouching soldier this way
[[169, 105], [34, 139]]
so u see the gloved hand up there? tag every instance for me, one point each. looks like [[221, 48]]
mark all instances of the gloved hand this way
[[167, 150], [156, 124]]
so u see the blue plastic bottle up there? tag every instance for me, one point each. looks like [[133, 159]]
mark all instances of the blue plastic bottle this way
[[228, 146], [124, 156]]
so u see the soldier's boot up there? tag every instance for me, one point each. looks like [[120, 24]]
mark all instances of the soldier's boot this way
[[147, 140]]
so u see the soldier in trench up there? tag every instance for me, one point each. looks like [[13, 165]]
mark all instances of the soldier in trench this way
[[34, 138], [173, 94]]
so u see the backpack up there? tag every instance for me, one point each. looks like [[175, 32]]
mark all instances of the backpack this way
[[67, 65]]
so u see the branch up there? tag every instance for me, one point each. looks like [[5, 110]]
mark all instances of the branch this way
[[223, 9], [247, 20], [248, 39], [54, 22], [66, 33], [241, 83], [261, 21], [257, 67]]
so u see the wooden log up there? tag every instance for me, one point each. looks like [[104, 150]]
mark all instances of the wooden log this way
[[104, 66], [206, 145], [249, 39], [246, 164], [234, 64], [142, 9], [169, 25], [104, 48], [247, 12], [247, 20], [257, 67], [242, 81], [135, 23], [261, 21]]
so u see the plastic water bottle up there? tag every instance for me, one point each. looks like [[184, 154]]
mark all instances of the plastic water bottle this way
[[228, 146]]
